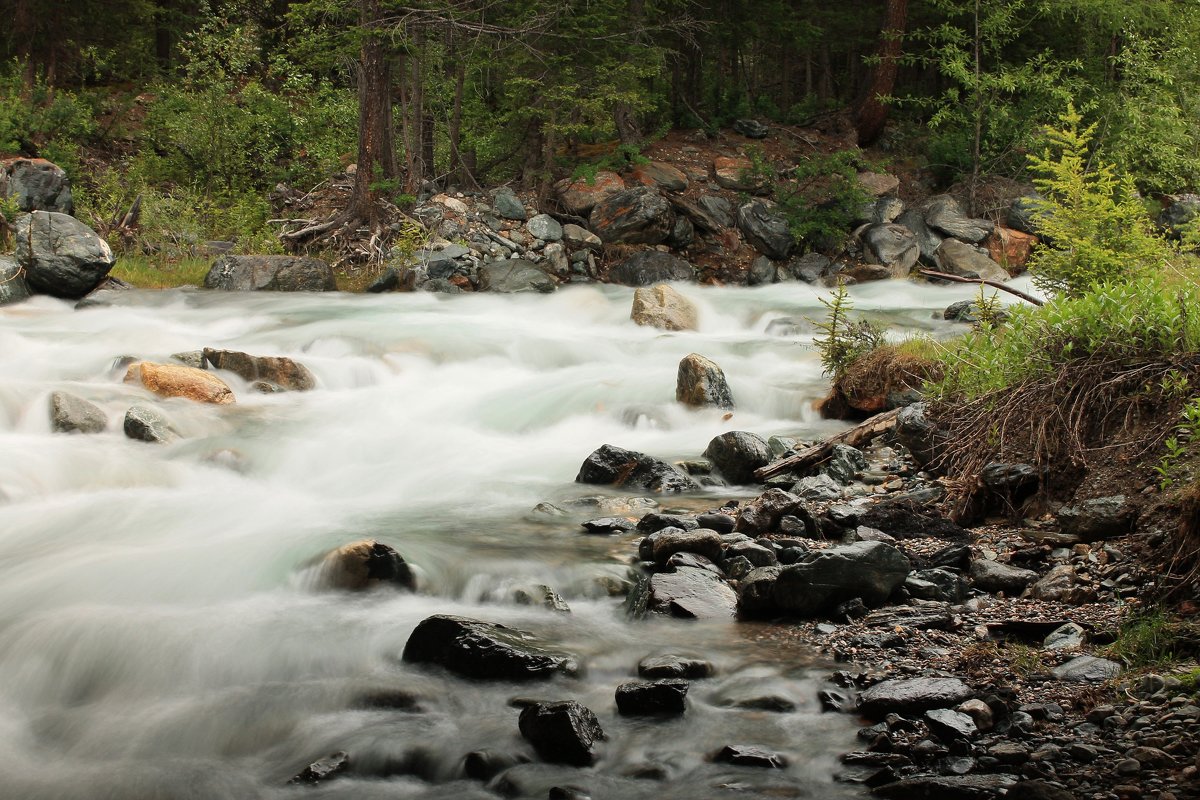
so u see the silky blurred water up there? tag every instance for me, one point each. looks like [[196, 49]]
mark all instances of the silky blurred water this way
[[157, 636]]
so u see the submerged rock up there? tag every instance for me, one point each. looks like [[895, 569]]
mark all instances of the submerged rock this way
[[662, 307], [483, 650], [616, 466], [324, 769], [662, 698], [750, 756], [673, 666], [563, 732], [364, 565], [146, 424]]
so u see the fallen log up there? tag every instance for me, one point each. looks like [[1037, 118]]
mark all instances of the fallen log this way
[[929, 273], [816, 453]]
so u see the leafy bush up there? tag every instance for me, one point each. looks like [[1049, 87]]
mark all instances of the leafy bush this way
[[41, 122], [1095, 228]]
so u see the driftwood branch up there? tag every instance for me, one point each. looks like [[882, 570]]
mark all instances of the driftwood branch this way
[[813, 454], [995, 284]]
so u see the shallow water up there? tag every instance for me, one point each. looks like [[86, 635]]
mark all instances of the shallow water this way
[[158, 637]]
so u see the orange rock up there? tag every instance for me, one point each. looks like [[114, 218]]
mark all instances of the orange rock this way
[[176, 380], [735, 172], [660, 176], [580, 196], [1010, 249]]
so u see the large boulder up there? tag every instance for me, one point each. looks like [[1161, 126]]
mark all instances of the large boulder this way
[[616, 466], [562, 733], [736, 454], [867, 570], [659, 175], [36, 185], [892, 246], [515, 275], [270, 274], [701, 383], [62, 256], [928, 240], [662, 307], [648, 267], [709, 212], [71, 414], [13, 288], [1098, 518], [483, 650], [992, 576], [737, 173], [176, 380], [765, 229], [691, 593], [364, 565], [580, 196], [666, 697], [276, 370], [958, 258], [945, 214], [634, 216]]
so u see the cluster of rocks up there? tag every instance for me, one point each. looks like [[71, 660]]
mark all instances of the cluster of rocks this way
[[190, 378]]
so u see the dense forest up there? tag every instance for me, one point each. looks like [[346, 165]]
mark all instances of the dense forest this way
[[208, 105]]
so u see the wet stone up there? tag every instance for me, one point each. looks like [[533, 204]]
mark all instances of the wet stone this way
[[483, 650], [324, 769], [607, 525], [673, 666], [750, 756], [657, 698], [1087, 669], [563, 732], [948, 725], [913, 695]]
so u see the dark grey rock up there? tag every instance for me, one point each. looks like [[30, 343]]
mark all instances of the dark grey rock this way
[[36, 185], [757, 554], [701, 541], [683, 233], [270, 273], [515, 275], [717, 521], [483, 650], [947, 787], [891, 246], [61, 256], [917, 432], [928, 240], [765, 229], [949, 725], [762, 271], [1025, 214], [508, 206], [943, 213], [13, 288], [719, 210], [700, 383], [544, 227], [751, 128], [539, 594], [736, 454], [867, 570], [750, 756], [277, 370], [817, 487], [756, 590], [881, 210], [324, 769], [70, 414], [615, 466], [657, 521], [912, 695], [389, 281], [691, 593], [146, 424], [605, 525], [666, 697], [992, 576], [674, 666], [1098, 518], [844, 464], [649, 267], [563, 732], [936, 584], [958, 258], [483, 765], [811, 267], [1087, 669], [635, 216], [764, 513]]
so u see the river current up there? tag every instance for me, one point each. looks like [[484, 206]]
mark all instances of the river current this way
[[160, 636]]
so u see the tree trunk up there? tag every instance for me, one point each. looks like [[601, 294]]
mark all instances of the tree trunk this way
[[871, 113], [376, 159]]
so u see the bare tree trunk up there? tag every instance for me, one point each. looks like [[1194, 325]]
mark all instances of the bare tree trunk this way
[[871, 114], [376, 159]]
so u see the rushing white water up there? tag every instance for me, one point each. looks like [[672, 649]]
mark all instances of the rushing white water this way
[[157, 639]]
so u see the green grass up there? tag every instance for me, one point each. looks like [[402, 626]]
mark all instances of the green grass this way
[[1145, 640], [151, 272]]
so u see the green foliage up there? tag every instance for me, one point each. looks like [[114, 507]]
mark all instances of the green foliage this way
[[989, 309], [1097, 231], [1147, 639], [844, 340], [41, 122], [1177, 446], [161, 272], [622, 157], [1141, 319]]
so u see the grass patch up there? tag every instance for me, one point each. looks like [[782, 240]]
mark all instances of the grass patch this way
[[157, 272], [1153, 639]]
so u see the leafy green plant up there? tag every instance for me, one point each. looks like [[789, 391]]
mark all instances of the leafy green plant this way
[[845, 340], [42, 122], [1095, 228], [1147, 639], [623, 156], [1177, 446]]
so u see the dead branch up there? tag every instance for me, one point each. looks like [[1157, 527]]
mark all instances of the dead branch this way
[[995, 284], [813, 454]]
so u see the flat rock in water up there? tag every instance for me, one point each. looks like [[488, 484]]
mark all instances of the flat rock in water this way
[[671, 666], [483, 650], [1087, 669], [947, 787], [616, 466], [606, 525], [750, 756], [692, 593], [176, 380], [70, 414], [282, 372], [563, 732], [913, 695], [146, 424], [324, 769]]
